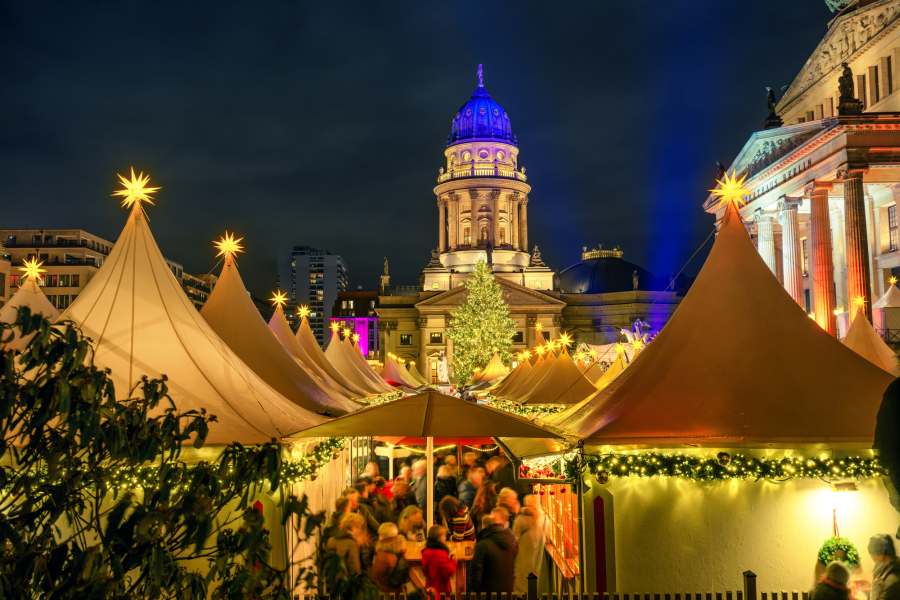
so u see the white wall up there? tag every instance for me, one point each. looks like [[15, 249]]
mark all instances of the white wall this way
[[675, 535]]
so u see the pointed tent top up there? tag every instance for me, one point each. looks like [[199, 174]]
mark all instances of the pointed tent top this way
[[32, 268], [228, 246], [890, 299], [303, 311], [865, 341], [29, 294], [142, 323], [766, 374], [135, 190], [278, 299]]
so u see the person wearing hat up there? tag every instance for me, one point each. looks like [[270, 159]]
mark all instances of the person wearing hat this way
[[833, 585], [886, 573]]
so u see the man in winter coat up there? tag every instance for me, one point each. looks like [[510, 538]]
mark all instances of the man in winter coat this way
[[493, 566], [886, 574], [419, 486], [469, 486]]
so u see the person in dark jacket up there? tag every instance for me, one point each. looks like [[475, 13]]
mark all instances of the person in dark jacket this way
[[469, 486], [886, 573], [833, 585], [455, 517], [493, 566], [444, 484], [419, 485]]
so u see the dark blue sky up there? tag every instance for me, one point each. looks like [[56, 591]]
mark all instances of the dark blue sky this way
[[323, 123]]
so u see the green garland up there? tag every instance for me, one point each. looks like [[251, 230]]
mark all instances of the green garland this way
[[829, 550], [526, 410], [725, 466]]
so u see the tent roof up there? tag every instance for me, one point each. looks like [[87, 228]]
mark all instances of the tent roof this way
[[142, 323], [862, 339], [233, 315], [494, 370], [540, 368], [396, 374], [508, 382], [890, 299], [344, 363], [29, 294], [351, 349], [763, 373], [429, 414], [313, 361], [563, 384]]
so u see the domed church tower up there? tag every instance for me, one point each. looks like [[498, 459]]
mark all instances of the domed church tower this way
[[482, 201]]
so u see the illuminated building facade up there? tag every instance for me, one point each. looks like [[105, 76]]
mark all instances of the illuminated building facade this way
[[482, 196], [824, 171], [355, 310], [5, 272], [317, 276], [71, 257]]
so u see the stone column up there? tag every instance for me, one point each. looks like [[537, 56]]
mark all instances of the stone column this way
[[494, 233], [790, 249], [442, 225], [822, 267], [858, 274], [514, 226], [453, 210], [765, 240], [523, 224], [838, 244]]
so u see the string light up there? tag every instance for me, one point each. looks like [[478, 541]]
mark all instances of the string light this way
[[526, 410]]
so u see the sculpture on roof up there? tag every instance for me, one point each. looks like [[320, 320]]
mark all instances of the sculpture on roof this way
[[847, 103], [772, 119]]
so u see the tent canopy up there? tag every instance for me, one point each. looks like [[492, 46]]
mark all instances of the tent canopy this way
[[863, 339], [494, 370], [563, 384], [510, 381], [429, 414], [142, 323], [890, 299], [29, 294], [233, 316], [739, 362]]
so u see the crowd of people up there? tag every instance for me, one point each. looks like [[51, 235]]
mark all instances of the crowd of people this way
[[376, 521], [835, 583]]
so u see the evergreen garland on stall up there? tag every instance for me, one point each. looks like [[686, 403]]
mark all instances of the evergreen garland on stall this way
[[480, 326]]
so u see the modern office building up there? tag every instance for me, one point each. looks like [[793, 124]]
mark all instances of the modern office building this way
[[317, 276], [71, 257]]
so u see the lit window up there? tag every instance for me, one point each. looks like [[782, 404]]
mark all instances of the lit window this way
[[804, 255], [437, 337], [406, 339], [892, 228], [518, 337]]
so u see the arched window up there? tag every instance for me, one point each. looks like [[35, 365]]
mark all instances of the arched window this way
[[483, 235], [467, 236], [502, 236]]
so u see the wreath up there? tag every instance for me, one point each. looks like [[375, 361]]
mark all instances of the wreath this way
[[839, 548]]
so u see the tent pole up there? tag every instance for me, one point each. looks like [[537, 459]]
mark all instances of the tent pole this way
[[429, 481]]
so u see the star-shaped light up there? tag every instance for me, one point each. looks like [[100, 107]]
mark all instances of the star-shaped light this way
[[303, 311], [731, 190], [525, 355], [135, 190], [228, 245], [539, 350], [335, 327], [32, 268], [355, 338], [346, 332], [278, 298], [538, 327], [859, 302], [565, 339], [892, 280]]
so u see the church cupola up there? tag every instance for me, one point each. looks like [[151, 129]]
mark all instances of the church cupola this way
[[481, 118]]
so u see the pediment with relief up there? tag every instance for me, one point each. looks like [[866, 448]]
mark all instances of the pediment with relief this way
[[766, 147], [514, 294], [847, 34]]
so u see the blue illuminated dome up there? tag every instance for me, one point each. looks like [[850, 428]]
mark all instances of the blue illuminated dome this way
[[481, 118]]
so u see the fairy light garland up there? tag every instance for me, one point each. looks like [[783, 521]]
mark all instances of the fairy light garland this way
[[725, 466], [526, 410]]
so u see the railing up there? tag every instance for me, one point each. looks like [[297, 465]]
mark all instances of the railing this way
[[473, 171], [890, 336], [55, 244]]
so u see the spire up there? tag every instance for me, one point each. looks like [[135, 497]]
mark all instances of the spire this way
[[480, 74]]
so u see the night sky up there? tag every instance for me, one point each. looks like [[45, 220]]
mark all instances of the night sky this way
[[324, 123]]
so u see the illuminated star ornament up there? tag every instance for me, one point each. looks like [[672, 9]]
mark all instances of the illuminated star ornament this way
[[278, 298], [228, 245], [731, 190], [892, 280], [355, 338], [32, 268], [565, 340], [135, 189], [303, 311]]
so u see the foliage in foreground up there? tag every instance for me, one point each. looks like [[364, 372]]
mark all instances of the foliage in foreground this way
[[480, 326], [189, 531]]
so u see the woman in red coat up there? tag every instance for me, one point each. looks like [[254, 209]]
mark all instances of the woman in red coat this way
[[438, 565]]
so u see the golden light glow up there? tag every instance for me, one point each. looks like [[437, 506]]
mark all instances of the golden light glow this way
[[135, 190], [346, 332], [525, 354], [355, 338], [228, 245], [538, 327], [565, 339], [335, 327], [892, 280], [278, 298], [859, 302], [303, 311], [539, 350], [731, 190], [32, 268]]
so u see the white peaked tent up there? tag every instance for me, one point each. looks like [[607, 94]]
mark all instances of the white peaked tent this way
[[886, 310], [765, 374], [29, 294], [563, 383], [396, 374], [414, 372], [312, 359], [520, 372], [531, 378], [233, 316], [493, 371], [344, 363], [862, 339], [355, 356], [143, 324]]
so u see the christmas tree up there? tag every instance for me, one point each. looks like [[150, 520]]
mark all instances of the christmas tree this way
[[481, 326]]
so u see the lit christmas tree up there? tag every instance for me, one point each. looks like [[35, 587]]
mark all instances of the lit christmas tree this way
[[480, 326]]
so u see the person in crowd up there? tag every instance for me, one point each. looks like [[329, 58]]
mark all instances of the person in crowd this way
[[405, 474], [502, 472], [438, 563], [364, 505], [469, 486], [886, 573], [349, 542], [469, 461], [509, 499], [450, 462], [341, 508], [412, 524], [371, 471], [529, 530], [384, 488], [380, 503], [402, 498], [485, 501], [389, 570], [419, 484], [493, 565], [455, 517], [444, 484], [833, 585]]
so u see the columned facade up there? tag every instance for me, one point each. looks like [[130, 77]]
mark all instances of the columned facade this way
[[790, 249], [765, 240], [823, 269], [858, 279]]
